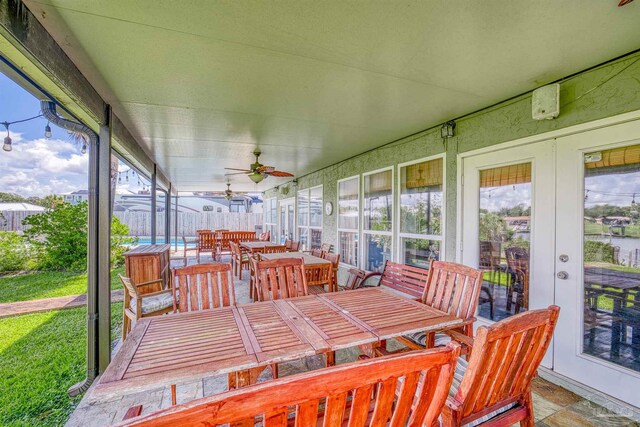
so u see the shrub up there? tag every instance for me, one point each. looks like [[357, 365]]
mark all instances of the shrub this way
[[595, 251], [59, 237], [14, 252]]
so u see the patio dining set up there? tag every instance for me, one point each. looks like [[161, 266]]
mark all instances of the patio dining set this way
[[436, 368]]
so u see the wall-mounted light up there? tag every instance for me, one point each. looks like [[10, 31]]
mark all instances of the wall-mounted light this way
[[446, 131], [294, 183]]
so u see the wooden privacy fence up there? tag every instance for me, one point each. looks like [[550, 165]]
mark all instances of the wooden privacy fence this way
[[139, 223], [12, 220]]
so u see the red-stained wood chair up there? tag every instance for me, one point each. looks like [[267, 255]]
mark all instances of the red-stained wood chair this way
[[319, 276], [355, 278], [239, 259], [136, 305], [295, 246], [335, 263], [357, 394], [326, 247], [273, 249], [202, 287], [494, 388], [207, 242], [280, 278], [317, 252], [265, 237]]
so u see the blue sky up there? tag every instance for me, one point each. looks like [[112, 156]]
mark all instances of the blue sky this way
[[36, 166]]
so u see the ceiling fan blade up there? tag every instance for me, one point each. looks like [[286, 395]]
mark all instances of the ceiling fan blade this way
[[265, 169], [279, 174], [237, 173], [235, 169]]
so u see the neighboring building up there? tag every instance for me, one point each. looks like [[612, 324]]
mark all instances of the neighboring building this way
[[20, 207], [76, 197]]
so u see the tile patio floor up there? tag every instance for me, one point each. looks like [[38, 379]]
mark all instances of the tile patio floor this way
[[554, 406]]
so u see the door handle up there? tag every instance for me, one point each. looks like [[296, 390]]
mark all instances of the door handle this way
[[562, 275]]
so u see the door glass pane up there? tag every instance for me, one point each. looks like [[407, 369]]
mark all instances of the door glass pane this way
[[303, 208], [378, 201], [504, 228], [315, 207], [612, 256], [348, 204], [419, 252], [421, 197], [377, 250], [303, 237], [316, 238], [348, 247]]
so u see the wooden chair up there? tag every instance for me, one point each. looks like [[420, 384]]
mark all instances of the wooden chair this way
[[335, 264], [265, 237], [154, 301], [203, 287], [454, 289], [329, 397], [186, 248], [273, 249], [319, 275], [354, 279], [224, 237], [317, 252], [207, 242], [239, 259], [280, 278], [518, 271], [495, 387], [295, 246], [287, 243], [403, 278], [326, 247]]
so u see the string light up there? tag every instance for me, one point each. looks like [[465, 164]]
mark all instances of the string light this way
[[8, 142], [47, 131], [7, 139]]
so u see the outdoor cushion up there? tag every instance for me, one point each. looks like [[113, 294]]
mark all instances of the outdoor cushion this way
[[461, 368], [154, 303], [421, 338]]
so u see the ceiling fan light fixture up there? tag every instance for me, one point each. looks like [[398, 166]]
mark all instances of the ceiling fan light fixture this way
[[256, 177]]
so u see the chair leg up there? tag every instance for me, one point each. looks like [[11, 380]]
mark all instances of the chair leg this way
[[174, 398], [528, 421], [330, 358], [239, 263], [126, 325]]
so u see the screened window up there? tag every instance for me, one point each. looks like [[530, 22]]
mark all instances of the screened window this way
[[421, 204], [377, 219], [310, 217], [270, 218], [348, 217]]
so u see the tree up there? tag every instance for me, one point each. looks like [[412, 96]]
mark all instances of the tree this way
[[11, 198]]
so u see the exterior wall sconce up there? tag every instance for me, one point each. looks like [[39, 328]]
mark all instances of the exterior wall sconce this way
[[446, 131]]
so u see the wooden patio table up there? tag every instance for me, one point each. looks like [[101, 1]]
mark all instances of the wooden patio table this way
[[256, 245], [308, 259], [179, 348]]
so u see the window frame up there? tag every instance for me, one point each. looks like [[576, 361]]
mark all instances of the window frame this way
[[268, 225], [310, 227], [339, 229], [399, 257], [394, 205]]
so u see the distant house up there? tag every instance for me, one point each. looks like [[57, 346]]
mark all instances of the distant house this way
[[20, 207], [518, 223], [616, 221], [76, 197]]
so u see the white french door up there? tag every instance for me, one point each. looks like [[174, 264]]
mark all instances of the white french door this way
[[571, 205], [597, 341], [287, 219]]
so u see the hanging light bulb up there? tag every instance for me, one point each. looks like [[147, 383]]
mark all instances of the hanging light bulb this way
[[7, 139], [633, 200], [84, 149], [47, 131]]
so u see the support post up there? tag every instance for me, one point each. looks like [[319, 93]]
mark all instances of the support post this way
[[175, 223], [167, 216], [154, 195], [103, 253]]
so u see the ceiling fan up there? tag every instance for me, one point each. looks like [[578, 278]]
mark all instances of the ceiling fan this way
[[258, 171], [228, 194]]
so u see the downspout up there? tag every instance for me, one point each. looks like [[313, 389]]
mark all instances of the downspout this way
[[49, 112]]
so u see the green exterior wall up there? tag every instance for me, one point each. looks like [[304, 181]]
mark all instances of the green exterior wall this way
[[598, 93]]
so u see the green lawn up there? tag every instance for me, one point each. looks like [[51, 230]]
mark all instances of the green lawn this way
[[41, 356], [47, 284]]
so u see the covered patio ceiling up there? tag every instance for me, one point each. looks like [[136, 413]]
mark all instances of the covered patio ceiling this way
[[200, 84]]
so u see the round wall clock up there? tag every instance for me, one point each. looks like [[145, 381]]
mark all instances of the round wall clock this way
[[328, 208]]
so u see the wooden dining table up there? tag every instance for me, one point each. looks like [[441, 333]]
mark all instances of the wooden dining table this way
[[178, 348], [308, 258], [257, 245]]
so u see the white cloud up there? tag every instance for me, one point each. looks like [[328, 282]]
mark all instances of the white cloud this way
[[41, 167]]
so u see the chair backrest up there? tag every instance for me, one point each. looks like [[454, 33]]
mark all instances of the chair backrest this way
[[404, 278], [518, 260], [266, 236], [128, 285], [318, 274], [295, 246], [355, 278], [235, 249], [280, 278], [489, 255], [235, 236], [333, 258], [300, 399], [202, 287], [503, 362], [287, 243], [453, 288], [326, 247], [273, 249], [207, 240], [317, 252]]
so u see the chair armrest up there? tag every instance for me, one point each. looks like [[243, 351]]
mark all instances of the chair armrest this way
[[367, 277], [452, 403], [132, 412], [150, 282], [460, 337]]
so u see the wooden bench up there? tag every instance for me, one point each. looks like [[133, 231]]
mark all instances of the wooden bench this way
[[403, 278], [237, 237], [354, 392]]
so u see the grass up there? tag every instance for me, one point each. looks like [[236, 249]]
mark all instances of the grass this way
[[47, 284], [591, 228], [41, 356]]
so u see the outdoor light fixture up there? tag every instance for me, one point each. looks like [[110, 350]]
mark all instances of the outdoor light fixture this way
[[228, 194], [84, 149], [47, 131], [7, 139], [256, 177], [446, 131], [294, 183]]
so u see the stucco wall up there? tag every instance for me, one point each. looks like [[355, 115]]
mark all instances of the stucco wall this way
[[601, 92]]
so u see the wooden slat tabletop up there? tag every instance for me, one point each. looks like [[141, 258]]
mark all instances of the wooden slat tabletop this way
[[257, 244], [387, 314], [184, 347], [308, 259]]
